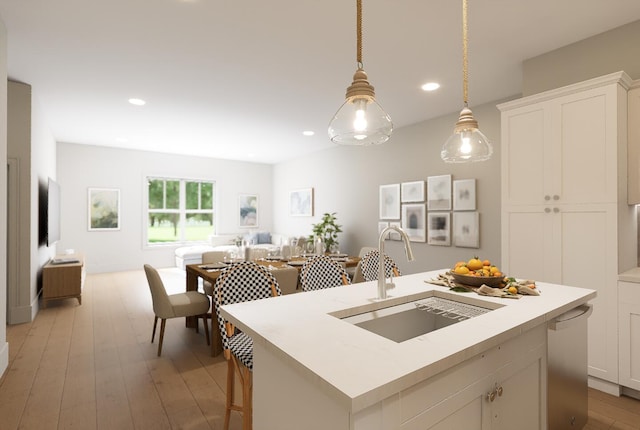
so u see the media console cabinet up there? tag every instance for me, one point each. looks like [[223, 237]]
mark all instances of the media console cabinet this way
[[63, 280]]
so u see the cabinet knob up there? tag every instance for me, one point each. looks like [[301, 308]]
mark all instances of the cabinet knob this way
[[556, 197], [556, 210], [547, 197], [500, 391], [547, 210], [491, 396]]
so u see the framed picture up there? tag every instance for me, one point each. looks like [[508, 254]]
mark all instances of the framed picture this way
[[381, 226], [439, 230], [413, 221], [104, 209], [248, 210], [412, 192], [464, 195], [390, 201], [439, 193], [466, 229], [301, 202], [394, 235]]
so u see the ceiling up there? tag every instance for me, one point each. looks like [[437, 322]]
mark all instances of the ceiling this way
[[242, 79]]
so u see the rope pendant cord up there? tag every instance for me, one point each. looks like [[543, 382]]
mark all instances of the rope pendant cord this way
[[359, 33], [465, 59]]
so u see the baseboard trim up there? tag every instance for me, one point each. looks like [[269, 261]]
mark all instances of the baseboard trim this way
[[604, 386], [4, 358]]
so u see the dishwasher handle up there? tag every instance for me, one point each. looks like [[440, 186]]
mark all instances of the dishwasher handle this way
[[571, 317]]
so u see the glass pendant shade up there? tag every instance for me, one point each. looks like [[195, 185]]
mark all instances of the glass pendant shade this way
[[467, 143], [360, 120]]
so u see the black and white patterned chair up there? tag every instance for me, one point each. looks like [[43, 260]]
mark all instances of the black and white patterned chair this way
[[240, 282], [369, 265], [320, 272]]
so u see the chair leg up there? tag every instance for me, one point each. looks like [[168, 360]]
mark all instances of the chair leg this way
[[153, 333], [231, 373], [247, 399], [161, 335], [206, 327]]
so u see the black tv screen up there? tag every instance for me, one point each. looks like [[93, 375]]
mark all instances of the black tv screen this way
[[53, 212]]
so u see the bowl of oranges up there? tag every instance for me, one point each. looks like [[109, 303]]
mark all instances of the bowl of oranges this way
[[476, 272]]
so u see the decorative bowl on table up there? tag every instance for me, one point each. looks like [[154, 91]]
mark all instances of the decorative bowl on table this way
[[476, 281]]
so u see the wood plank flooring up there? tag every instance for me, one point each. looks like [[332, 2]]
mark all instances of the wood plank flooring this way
[[93, 367]]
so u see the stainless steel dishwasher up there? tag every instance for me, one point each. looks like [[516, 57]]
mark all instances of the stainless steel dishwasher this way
[[567, 369]]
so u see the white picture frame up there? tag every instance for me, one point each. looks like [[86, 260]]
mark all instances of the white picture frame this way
[[439, 228], [248, 210], [466, 229], [412, 192], [103, 209], [301, 202], [464, 195], [394, 235], [390, 202], [439, 193], [414, 221], [381, 226]]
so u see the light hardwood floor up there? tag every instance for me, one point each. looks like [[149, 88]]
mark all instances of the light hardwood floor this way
[[94, 367]]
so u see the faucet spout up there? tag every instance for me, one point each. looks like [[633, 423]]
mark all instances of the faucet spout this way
[[382, 276]]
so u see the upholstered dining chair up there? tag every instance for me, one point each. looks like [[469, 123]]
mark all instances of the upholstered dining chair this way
[[240, 282], [354, 272], [369, 265], [321, 271], [211, 257], [165, 306]]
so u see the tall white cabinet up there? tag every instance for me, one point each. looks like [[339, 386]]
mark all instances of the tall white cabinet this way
[[565, 217]]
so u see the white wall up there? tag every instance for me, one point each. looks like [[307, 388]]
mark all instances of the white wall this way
[[31, 148], [4, 346], [346, 180], [83, 166], [605, 53]]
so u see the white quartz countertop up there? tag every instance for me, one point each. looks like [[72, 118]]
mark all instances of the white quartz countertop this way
[[358, 368], [632, 275]]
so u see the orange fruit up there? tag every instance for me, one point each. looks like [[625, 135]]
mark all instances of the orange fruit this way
[[486, 263], [460, 263], [461, 270], [513, 290], [474, 264]]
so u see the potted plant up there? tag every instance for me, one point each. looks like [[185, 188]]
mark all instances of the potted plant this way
[[328, 230]]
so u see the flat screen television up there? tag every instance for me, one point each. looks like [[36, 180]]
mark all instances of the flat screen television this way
[[53, 212]]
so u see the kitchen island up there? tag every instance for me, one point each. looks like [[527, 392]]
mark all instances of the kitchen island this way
[[315, 370]]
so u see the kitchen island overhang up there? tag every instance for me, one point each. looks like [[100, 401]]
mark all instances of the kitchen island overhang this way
[[357, 368]]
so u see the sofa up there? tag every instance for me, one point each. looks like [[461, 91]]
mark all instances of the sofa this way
[[228, 242]]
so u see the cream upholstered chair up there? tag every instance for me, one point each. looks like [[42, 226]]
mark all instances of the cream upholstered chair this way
[[370, 263], [187, 304], [287, 278], [240, 282], [211, 257], [320, 271], [356, 273]]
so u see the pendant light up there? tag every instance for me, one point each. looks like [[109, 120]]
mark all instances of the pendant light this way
[[360, 120], [467, 143]]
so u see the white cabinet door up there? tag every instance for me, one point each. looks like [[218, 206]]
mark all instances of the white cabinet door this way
[[629, 334], [564, 218], [528, 244], [523, 388]]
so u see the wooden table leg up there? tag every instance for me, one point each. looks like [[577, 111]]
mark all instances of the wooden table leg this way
[[192, 285]]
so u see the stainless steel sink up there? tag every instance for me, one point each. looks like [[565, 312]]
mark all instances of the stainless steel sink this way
[[408, 320]]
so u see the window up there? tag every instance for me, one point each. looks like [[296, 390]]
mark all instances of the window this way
[[179, 210]]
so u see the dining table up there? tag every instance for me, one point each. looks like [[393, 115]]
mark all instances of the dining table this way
[[210, 271]]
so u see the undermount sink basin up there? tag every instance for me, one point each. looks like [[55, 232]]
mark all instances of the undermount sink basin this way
[[405, 321]]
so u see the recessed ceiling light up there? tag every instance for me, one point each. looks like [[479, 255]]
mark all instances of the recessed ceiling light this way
[[431, 86], [137, 102], [308, 133]]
